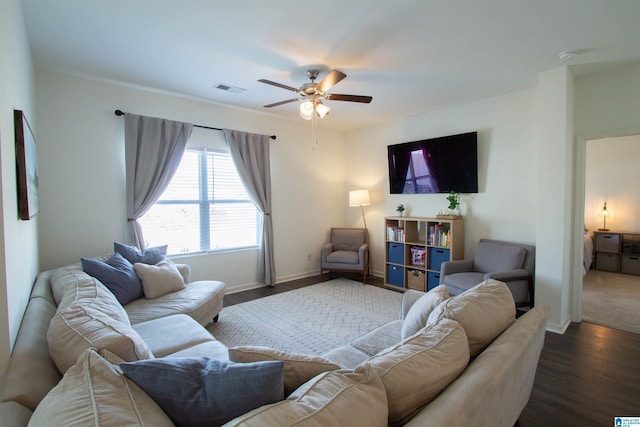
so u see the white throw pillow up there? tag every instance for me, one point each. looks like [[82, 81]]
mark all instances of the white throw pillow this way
[[419, 312], [160, 279], [93, 392], [416, 370], [298, 368]]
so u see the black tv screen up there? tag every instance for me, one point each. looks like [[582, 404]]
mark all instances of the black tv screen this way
[[437, 165]]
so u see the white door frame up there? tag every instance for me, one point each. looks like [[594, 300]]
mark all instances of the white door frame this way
[[578, 209]]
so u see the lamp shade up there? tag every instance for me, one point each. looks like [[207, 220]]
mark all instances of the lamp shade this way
[[322, 109], [306, 110], [359, 198]]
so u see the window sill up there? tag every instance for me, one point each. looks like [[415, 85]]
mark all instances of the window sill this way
[[212, 252]]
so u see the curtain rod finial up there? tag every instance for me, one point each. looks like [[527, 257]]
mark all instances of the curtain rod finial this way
[[119, 113]]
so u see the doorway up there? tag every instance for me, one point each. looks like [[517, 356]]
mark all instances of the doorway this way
[[604, 164]]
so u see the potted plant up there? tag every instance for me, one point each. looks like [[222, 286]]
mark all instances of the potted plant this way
[[453, 210], [400, 209], [454, 201]]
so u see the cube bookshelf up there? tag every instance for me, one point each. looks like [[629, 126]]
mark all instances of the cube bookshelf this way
[[416, 247]]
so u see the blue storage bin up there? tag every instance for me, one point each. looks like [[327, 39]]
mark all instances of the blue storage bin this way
[[395, 275], [396, 253], [436, 257], [433, 280]]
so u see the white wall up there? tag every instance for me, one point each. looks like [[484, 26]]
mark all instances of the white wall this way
[[611, 168], [83, 176], [554, 249], [18, 239], [505, 206]]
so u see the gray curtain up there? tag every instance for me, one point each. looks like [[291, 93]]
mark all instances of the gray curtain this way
[[250, 154], [153, 151]]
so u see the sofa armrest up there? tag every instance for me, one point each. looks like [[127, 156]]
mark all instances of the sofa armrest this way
[[185, 272], [453, 267], [408, 299]]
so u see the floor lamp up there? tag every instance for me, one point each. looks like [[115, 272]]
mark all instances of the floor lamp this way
[[361, 198]]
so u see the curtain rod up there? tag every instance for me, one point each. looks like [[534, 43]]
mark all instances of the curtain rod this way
[[121, 113]]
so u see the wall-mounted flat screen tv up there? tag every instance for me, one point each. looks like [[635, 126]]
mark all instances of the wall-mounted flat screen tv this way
[[437, 165]]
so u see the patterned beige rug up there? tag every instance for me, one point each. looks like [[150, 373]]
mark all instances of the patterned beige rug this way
[[611, 300], [311, 320]]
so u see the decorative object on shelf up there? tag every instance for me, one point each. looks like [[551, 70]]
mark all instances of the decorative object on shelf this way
[[604, 213], [400, 209], [27, 167], [454, 207], [360, 198]]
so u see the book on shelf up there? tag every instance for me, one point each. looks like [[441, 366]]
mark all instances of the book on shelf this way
[[395, 234], [438, 236]]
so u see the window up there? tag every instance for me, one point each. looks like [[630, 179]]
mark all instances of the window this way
[[204, 208]]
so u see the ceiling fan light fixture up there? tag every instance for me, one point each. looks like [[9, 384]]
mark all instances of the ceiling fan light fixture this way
[[322, 109], [306, 110]]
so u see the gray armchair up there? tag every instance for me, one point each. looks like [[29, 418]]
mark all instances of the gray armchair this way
[[511, 263], [347, 251]]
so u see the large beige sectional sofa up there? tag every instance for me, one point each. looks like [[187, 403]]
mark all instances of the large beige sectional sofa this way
[[70, 311], [462, 360]]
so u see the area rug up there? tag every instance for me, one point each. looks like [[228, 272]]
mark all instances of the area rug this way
[[611, 300], [310, 320]]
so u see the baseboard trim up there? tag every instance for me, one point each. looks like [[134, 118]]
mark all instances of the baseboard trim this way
[[559, 329]]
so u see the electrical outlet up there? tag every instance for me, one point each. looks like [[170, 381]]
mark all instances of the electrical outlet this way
[[309, 257]]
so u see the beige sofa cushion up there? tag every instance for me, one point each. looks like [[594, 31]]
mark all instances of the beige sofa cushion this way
[[79, 327], [298, 368], [419, 312], [337, 398], [94, 392], [89, 315], [420, 367], [201, 300], [484, 311]]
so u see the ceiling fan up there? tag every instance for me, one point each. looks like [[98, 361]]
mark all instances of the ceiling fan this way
[[313, 93]]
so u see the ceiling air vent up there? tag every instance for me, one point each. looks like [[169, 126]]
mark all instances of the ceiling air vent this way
[[229, 88]]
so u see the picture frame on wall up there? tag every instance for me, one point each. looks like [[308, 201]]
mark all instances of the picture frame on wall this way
[[26, 167]]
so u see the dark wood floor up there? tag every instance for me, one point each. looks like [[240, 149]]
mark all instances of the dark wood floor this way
[[585, 377]]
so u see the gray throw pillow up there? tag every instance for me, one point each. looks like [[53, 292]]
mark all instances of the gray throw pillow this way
[[201, 391], [147, 256], [118, 275]]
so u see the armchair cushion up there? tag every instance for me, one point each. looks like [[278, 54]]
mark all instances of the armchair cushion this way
[[492, 256], [343, 257], [347, 239], [460, 282]]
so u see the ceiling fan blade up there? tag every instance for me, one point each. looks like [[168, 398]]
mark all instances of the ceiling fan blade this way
[[275, 104], [269, 82], [351, 98], [330, 80]]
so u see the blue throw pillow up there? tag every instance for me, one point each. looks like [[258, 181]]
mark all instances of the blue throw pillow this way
[[118, 275], [201, 391], [147, 256]]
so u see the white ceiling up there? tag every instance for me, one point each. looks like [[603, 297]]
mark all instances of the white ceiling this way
[[412, 56]]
